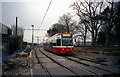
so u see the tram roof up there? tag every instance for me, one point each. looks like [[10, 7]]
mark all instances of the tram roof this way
[[57, 34], [60, 34]]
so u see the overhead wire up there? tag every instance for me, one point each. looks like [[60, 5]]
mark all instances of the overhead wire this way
[[45, 14]]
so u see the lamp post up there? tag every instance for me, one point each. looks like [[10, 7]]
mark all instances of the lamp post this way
[[37, 39], [32, 35], [16, 25], [16, 40]]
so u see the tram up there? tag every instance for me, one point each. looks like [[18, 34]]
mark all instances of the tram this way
[[60, 43]]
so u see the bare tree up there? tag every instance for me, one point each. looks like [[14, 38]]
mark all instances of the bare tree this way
[[56, 28], [110, 22], [88, 12], [67, 21], [82, 30], [19, 38], [64, 24], [20, 31]]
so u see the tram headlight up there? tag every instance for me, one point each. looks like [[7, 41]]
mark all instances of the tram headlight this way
[[61, 51]]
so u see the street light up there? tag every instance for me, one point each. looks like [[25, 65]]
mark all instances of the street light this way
[[32, 35], [37, 39]]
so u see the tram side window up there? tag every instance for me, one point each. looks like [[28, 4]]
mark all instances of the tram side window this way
[[54, 44], [58, 42], [51, 44]]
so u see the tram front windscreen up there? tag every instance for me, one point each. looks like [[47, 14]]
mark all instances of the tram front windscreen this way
[[67, 42]]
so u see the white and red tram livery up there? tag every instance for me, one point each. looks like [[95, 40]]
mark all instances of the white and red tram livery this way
[[61, 43]]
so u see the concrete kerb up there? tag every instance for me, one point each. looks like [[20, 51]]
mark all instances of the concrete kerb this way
[[31, 65]]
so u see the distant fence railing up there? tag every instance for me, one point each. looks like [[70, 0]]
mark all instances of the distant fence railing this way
[[87, 44], [82, 44]]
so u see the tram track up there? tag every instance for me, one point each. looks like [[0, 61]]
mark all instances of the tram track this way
[[40, 63], [59, 63], [83, 65], [82, 58], [86, 69]]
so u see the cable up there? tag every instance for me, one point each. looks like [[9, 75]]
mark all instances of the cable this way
[[45, 14], [36, 29]]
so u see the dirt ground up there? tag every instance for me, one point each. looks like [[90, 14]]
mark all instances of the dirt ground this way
[[18, 66]]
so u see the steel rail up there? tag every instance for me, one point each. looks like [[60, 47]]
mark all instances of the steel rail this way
[[59, 63], [85, 64], [39, 62], [90, 70], [89, 60]]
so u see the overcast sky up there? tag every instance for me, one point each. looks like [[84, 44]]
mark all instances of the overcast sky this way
[[32, 12]]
